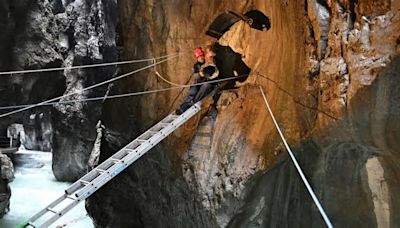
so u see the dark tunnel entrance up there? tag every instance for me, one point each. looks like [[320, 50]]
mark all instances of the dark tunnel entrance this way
[[229, 62], [221, 24]]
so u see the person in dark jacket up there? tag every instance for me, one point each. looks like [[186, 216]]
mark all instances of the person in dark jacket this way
[[205, 71], [208, 72], [200, 60]]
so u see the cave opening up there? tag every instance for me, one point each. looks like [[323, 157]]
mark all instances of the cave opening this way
[[222, 23], [230, 64]]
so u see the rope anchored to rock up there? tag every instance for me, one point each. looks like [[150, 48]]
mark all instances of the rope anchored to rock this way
[[296, 99], [106, 97], [296, 164], [81, 66], [168, 57]]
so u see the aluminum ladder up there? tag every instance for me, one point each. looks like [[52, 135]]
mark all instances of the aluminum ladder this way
[[103, 173]]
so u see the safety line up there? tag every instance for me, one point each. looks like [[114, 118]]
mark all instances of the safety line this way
[[120, 95], [296, 164], [92, 86], [295, 99], [82, 66], [166, 80], [179, 94]]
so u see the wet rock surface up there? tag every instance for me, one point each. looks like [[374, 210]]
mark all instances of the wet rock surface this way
[[35, 187], [6, 176], [330, 72], [90, 31], [344, 166], [44, 34], [319, 57]]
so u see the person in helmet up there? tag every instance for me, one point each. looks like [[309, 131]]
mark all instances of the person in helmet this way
[[200, 60], [208, 73], [204, 72]]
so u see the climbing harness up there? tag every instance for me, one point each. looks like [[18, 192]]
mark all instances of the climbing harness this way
[[296, 164]]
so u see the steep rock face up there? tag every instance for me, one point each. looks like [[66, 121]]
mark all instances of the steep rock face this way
[[352, 168], [15, 89], [89, 34], [238, 147], [6, 176], [315, 64], [361, 42], [44, 34]]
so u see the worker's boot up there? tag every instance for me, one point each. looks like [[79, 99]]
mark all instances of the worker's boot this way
[[213, 112], [185, 106]]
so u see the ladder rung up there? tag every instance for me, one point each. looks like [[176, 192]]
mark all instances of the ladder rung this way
[[71, 197], [115, 160], [131, 151], [169, 119], [161, 124], [100, 170], [30, 225], [84, 182], [98, 177], [54, 211]]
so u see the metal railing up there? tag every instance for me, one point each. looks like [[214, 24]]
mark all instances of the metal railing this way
[[6, 142]]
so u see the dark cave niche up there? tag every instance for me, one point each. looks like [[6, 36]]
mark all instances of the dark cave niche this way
[[28, 89], [230, 64], [254, 18]]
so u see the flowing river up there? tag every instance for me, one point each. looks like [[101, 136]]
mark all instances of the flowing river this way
[[34, 187]]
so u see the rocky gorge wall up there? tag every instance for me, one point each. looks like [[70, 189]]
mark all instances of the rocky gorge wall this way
[[6, 176], [330, 72], [353, 169], [323, 59], [46, 34]]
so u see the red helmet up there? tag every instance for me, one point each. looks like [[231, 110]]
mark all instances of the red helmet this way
[[198, 52]]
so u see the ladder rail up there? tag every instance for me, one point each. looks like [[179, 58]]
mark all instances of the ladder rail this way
[[95, 183], [55, 217], [94, 174], [117, 168], [115, 164], [52, 204]]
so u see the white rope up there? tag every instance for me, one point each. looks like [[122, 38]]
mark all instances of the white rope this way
[[166, 80], [119, 95], [81, 66], [92, 86], [296, 164]]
